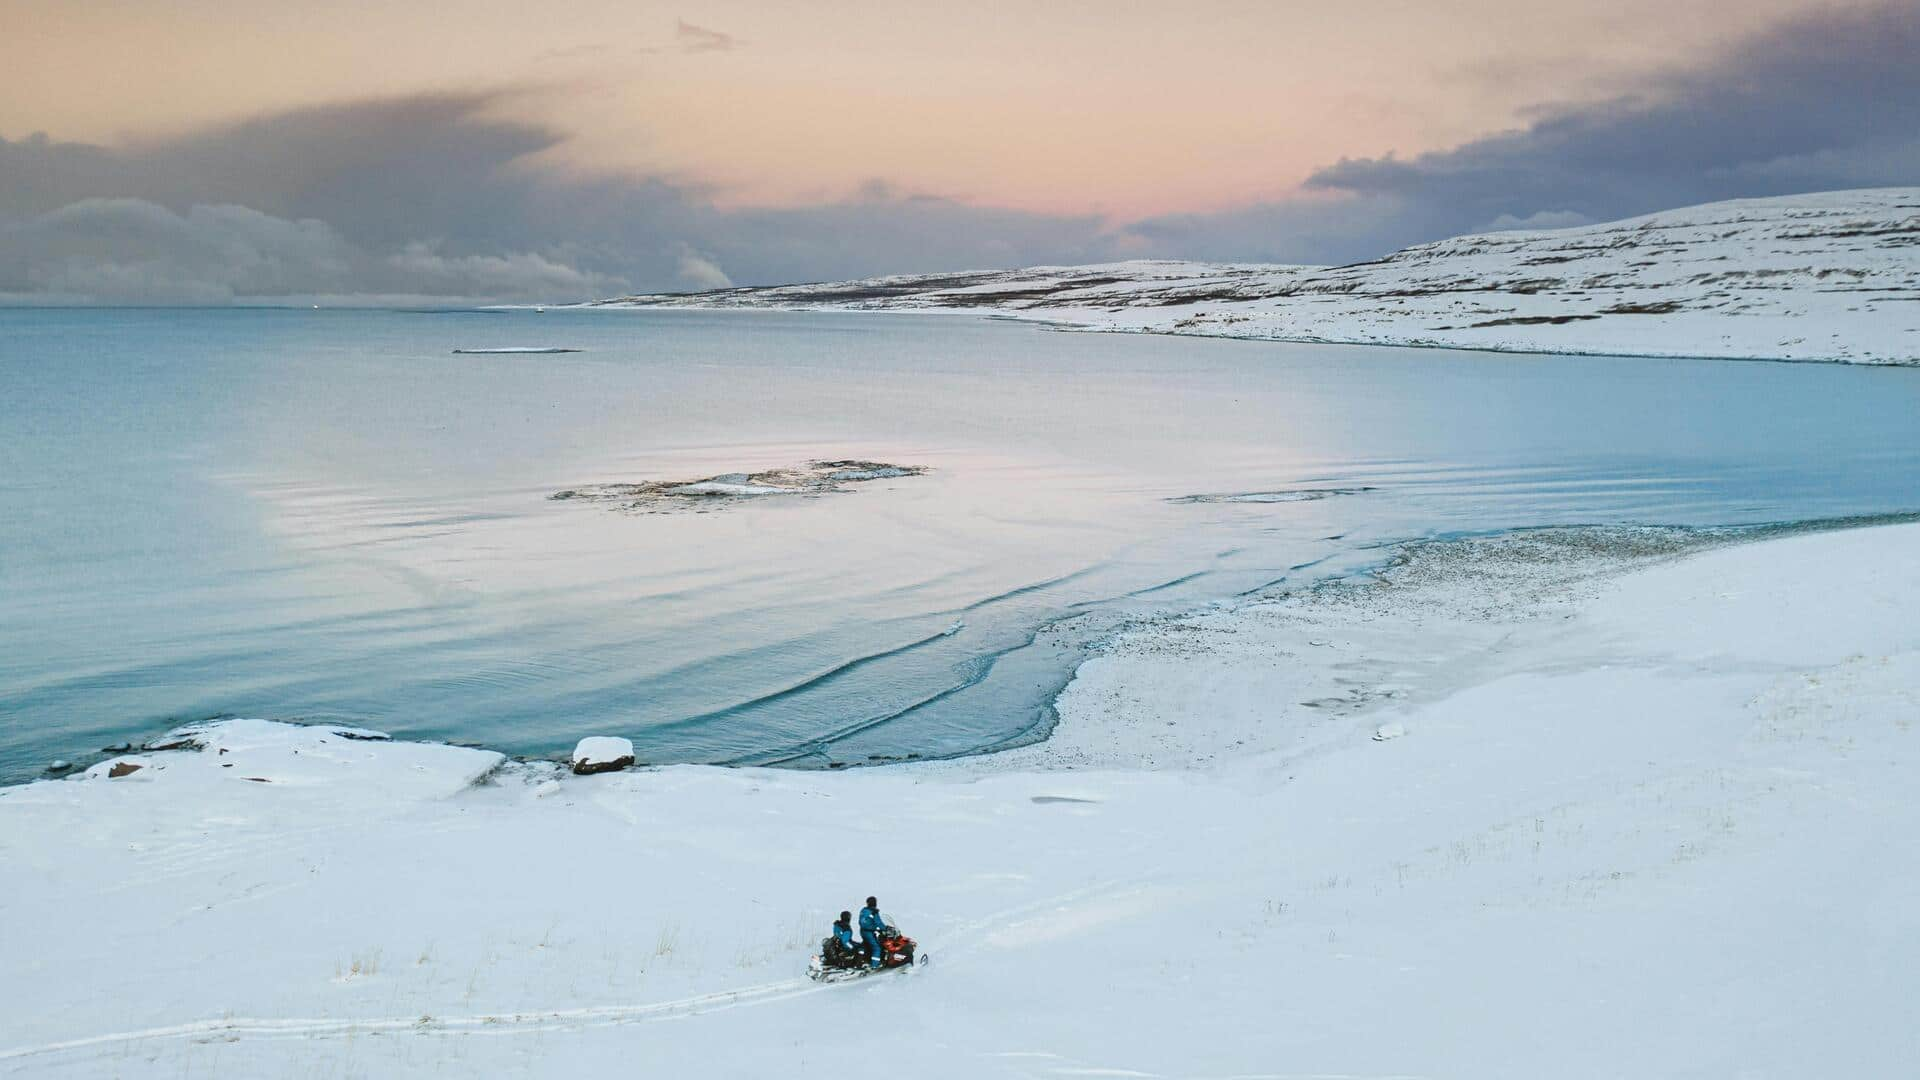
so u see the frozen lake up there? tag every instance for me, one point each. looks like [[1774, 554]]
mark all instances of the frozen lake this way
[[331, 514]]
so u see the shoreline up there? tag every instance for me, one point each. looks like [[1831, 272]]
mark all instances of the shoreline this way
[[1032, 741], [1563, 784], [1785, 278], [1070, 326], [1517, 349], [1417, 578]]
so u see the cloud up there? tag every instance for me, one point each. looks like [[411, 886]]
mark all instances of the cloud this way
[[1540, 219], [135, 251], [699, 39], [1313, 229], [452, 195], [131, 250], [879, 232], [440, 195], [697, 271], [423, 195], [1822, 101], [421, 166], [521, 275], [1828, 99]]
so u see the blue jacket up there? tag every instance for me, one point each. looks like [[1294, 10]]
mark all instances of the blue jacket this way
[[845, 934], [871, 923]]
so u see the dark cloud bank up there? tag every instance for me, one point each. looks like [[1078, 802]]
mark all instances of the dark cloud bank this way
[[1825, 101], [429, 197], [433, 198]]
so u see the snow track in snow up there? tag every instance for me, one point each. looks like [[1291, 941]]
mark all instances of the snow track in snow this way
[[235, 1028], [533, 1021]]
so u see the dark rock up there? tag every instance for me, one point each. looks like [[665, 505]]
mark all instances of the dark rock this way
[[601, 753], [175, 741]]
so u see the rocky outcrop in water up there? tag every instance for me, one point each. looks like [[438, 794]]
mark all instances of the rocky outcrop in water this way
[[812, 479]]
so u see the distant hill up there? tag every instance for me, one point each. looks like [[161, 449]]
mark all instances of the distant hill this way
[[1833, 276]]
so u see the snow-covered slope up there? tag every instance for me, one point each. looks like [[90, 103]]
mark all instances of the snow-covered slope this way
[[1832, 276], [1507, 814]]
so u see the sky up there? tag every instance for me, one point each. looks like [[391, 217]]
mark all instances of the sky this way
[[214, 151]]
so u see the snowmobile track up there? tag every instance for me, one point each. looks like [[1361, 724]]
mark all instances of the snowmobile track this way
[[236, 1028]]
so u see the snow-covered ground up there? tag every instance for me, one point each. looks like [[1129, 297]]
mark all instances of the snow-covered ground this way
[[1569, 804], [1832, 276]]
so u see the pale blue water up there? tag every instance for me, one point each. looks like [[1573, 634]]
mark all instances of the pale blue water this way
[[329, 515]]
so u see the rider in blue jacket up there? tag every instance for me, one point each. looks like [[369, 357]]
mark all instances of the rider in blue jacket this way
[[871, 923], [843, 930]]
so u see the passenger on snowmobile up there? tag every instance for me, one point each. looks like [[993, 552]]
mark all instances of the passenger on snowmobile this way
[[837, 950], [871, 923]]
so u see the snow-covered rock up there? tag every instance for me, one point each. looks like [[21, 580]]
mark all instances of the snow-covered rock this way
[[1832, 276], [119, 768], [343, 766], [813, 478], [602, 753]]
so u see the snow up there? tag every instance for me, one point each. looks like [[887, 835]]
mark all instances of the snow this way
[[602, 753], [1831, 276], [1652, 815], [324, 762], [724, 487]]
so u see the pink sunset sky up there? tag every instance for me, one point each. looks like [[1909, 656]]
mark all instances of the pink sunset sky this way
[[754, 141]]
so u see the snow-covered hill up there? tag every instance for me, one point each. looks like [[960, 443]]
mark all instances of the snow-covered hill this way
[[1578, 805], [1832, 276]]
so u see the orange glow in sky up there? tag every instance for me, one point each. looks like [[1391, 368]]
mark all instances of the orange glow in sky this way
[[1115, 108]]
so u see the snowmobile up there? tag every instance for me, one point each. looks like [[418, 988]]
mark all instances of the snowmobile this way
[[837, 962]]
